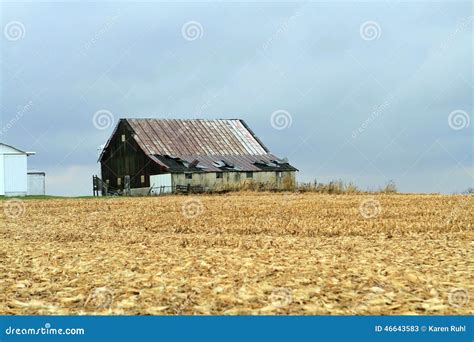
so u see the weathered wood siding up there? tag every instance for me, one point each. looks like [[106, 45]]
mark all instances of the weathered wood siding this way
[[126, 159]]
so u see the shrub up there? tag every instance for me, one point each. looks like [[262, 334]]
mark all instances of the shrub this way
[[390, 187]]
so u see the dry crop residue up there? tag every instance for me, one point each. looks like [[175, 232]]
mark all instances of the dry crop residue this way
[[242, 253]]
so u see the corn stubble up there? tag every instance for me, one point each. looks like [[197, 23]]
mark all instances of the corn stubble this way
[[245, 253]]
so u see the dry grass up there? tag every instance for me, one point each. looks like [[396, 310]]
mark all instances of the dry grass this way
[[241, 253]]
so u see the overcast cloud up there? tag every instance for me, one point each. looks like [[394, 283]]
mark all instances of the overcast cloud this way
[[367, 92]]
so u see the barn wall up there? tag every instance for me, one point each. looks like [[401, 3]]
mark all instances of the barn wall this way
[[161, 183], [126, 159], [209, 180], [36, 184], [2, 175], [15, 175]]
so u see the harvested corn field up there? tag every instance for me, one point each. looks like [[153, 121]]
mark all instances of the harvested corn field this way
[[243, 253]]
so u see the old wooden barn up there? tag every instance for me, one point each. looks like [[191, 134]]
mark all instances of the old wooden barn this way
[[168, 153]]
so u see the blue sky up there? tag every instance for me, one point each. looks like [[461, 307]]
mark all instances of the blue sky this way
[[363, 92]]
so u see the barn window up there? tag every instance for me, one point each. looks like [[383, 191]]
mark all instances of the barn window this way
[[249, 174], [278, 174], [123, 137], [188, 175], [142, 179], [219, 175], [119, 181], [107, 181]]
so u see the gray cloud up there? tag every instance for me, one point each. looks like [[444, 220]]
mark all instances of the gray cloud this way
[[252, 59]]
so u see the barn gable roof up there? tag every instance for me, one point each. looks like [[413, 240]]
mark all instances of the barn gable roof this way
[[202, 145], [196, 137]]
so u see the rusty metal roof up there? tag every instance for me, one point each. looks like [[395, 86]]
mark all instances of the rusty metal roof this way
[[239, 163], [196, 137], [177, 144]]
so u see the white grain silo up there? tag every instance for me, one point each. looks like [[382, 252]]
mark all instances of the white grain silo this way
[[13, 171]]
